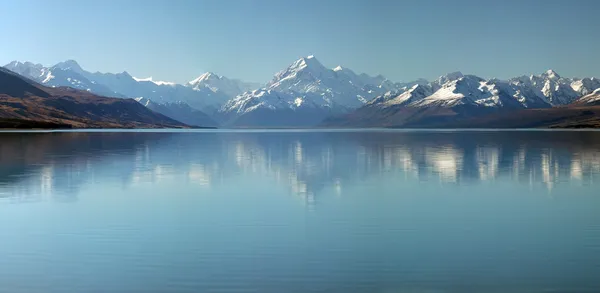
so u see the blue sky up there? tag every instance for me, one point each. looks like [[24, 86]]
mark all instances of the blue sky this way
[[177, 40]]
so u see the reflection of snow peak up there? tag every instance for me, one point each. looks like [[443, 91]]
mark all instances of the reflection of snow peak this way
[[487, 160], [446, 161], [309, 165]]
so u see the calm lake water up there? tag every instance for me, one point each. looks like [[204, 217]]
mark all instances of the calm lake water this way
[[300, 211]]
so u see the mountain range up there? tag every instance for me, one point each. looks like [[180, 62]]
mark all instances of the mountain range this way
[[27, 104], [307, 94]]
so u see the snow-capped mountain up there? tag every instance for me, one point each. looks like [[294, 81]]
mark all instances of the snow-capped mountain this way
[[417, 92], [457, 89], [27, 69], [307, 87], [536, 91], [592, 98], [307, 92], [160, 91], [70, 65], [270, 108], [206, 93], [337, 87], [219, 83], [586, 85], [455, 95], [554, 88], [67, 73]]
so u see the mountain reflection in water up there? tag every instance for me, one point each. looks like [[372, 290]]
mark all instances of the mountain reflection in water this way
[[53, 166], [300, 211]]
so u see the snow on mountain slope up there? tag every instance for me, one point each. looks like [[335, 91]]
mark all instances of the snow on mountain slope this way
[[157, 82], [269, 108], [586, 85], [27, 69], [338, 86], [457, 96], [371, 85], [590, 99], [69, 73], [463, 90], [555, 89], [473, 90], [307, 87], [267, 99], [536, 91], [415, 93], [161, 92], [70, 65], [219, 83], [57, 77], [456, 89], [444, 79]]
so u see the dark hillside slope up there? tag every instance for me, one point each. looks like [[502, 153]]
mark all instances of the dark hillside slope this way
[[32, 104]]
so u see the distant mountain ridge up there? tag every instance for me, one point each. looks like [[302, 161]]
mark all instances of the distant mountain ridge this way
[[25, 103], [182, 111], [117, 84], [123, 85], [456, 96], [306, 93]]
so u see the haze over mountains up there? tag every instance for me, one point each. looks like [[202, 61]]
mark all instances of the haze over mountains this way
[[307, 94]]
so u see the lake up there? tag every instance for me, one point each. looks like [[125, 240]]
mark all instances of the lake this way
[[300, 211]]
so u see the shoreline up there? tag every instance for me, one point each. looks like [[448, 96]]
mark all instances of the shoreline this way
[[249, 130]]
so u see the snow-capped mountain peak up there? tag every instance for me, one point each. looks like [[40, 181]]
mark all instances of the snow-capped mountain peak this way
[[205, 77], [20, 64], [591, 99], [218, 83], [307, 70], [69, 65], [449, 77], [415, 93], [27, 69], [309, 62], [586, 85], [452, 76], [551, 74], [307, 84]]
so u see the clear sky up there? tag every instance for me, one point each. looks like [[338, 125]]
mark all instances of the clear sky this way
[[177, 40]]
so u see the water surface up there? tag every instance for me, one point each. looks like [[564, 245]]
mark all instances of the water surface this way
[[300, 211]]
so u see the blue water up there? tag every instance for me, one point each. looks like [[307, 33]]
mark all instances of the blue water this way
[[300, 211]]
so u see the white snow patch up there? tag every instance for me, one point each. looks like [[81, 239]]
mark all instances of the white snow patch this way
[[157, 82], [142, 79], [48, 77]]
